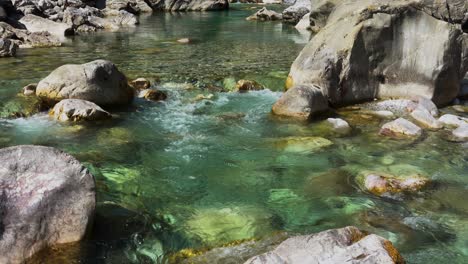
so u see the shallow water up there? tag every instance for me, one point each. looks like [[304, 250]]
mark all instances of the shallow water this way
[[200, 174]]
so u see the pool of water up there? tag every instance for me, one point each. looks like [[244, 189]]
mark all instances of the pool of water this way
[[200, 174]]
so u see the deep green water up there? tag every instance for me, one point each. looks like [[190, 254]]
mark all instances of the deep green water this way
[[204, 173]]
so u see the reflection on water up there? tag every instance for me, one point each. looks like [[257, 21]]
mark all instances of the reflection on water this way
[[196, 174]]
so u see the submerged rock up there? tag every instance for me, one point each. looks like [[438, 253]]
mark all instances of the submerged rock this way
[[342, 245], [48, 198], [78, 110], [22, 106], [302, 102], [264, 14], [152, 95], [243, 86], [339, 125], [98, 81], [400, 128], [303, 144], [383, 184]]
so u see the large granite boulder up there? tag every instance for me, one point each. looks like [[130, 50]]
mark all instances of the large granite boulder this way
[[26, 39], [35, 23], [301, 102], [294, 13], [264, 14], [47, 198], [344, 245], [98, 81], [78, 110], [379, 49], [189, 5]]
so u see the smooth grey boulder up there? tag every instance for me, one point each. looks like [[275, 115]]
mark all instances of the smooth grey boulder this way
[[78, 110], [35, 23], [378, 49], [47, 198], [344, 245], [400, 128], [294, 13], [339, 125], [189, 5], [301, 102], [7, 48], [264, 14], [98, 81]]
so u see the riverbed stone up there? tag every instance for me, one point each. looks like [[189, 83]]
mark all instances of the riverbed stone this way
[[35, 23], [383, 184], [140, 84], [26, 39], [461, 133], [400, 128], [301, 102], [425, 119], [264, 14], [29, 89], [247, 85], [152, 95], [339, 125], [450, 120], [352, 59], [98, 81], [22, 106], [78, 110], [302, 144], [48, 199], [7, 48], [342, 245]]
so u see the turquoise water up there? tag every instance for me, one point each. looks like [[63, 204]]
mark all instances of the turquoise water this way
[[200, 174]]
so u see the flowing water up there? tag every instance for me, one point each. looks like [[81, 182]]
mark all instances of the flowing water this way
[[199, 174]]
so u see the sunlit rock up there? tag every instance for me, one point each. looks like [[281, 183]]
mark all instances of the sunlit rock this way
[[264, 14], [339, 125], [383, 184], [400, 128], [425, 119], [301, 102], [140, 84], [247, 85], [302, 144], [342, 245], [48, 198], [29, 89], [78, 110], [152, 95], [461, 133], [450, 120]]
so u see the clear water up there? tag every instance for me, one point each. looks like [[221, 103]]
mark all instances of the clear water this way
[[200, 174]]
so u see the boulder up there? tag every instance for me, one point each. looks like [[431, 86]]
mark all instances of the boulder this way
[[304, 23], [152, 95], [425, 119], [29, 89], [302, 144], [382, 184], [344, 245], [48, 198], [450, 120], [339, 125], [140, 84], [264, 14], [301, 102], [38, 24], [320, 10], [294, 13], [78, 110], [98, 81], [247, 85], [461, 133], [7, 48], [27, 39], [400, 128], [378, 48], [189, 5]]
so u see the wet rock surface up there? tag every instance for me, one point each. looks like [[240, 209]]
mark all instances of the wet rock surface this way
[[400, 128], [74, 110]]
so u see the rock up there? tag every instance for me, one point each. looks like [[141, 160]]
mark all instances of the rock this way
[[140, 84], [342, 245], [116, 19], [78, 110], [22, 106], [422, 102], [48, 198], [7, 48], [38, 24], [460, 108], [98, 81], [302, 144], [383, 114], [382, 184], [339, 125], [246, 85], [201, 97], [424, 118], [294, 13], [464, 25], [29, 89], [231, 253], [26, 39], [184, 40], [357, 57], [319, 13], [153, 95], [399, 107], [302, 102], [452, 120], [189, 5], [461, 133], [264, 14], [304, 23], [400, 128]]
